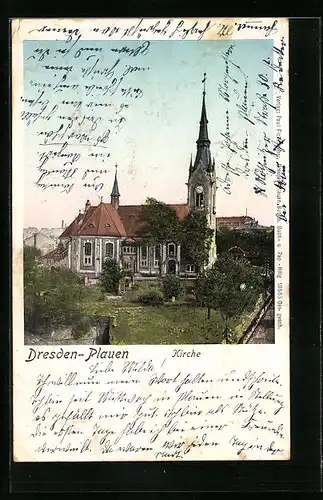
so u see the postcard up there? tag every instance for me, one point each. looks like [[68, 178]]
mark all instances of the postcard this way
[[150, 239]]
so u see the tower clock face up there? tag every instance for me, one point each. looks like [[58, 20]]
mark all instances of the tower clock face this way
[[199, 189]]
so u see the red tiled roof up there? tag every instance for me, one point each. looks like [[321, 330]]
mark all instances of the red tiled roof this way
[[72, 229], [182, 210], [104, 220], [130, 216]]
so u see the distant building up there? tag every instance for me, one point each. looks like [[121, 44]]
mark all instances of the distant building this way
[[241, 222], [244, 222], [45, 239], [57, 257]]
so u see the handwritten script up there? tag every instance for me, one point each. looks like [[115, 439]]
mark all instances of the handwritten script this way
[[251, 150], [79, 97], [107, 406]]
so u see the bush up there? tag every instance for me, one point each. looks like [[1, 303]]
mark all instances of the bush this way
[[53, 299], [172, 286], [110, 276], [151, 298]]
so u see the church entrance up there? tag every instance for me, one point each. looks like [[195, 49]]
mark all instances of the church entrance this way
[[171, 267]]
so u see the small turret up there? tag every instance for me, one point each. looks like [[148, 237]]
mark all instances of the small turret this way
[[87, 206], [115, 194]]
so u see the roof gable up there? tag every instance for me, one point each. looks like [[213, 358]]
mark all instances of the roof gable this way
[[103, 221]]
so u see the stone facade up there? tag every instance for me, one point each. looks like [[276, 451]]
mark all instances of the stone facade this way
[[86, 256]]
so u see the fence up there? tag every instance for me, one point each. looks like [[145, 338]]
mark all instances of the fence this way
[[256, 320]]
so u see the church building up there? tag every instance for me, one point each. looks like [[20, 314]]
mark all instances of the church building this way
[[109, 230]]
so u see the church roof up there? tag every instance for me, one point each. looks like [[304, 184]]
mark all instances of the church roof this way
[[105, 220], [71, 230], [130, 216]]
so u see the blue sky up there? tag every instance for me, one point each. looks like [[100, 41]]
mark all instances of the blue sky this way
[[154, 145]]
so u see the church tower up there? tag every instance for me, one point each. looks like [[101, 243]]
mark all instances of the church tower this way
[[202, 179]]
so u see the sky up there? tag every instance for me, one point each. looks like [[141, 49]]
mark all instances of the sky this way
[[153, 147]]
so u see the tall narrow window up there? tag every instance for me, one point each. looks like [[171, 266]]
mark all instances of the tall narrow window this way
[[144, 255], [88, 253], [109, 250], [171, 250], [156, 255], [199, 197]]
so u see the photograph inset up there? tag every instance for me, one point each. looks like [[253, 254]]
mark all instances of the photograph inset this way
[[155, 272]]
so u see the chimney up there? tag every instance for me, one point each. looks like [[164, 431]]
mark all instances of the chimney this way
[[35, 240], [62, 224]]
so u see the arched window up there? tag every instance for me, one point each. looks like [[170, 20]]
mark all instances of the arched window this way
[[171, 250], [199, 197], [144, 256], [88, 253], [109, 250]]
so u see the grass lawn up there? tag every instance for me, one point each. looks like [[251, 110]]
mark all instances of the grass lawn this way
[[168, 324], [171, 323]]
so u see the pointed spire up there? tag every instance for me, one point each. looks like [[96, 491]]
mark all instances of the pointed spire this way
[[203, 135], [115, 194], [203, 153], [115, 189]]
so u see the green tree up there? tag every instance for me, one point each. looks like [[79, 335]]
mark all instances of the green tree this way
[[110, 276], [172, 286], [159, 223], [230, 287], [32, 279], [258, 244], [31, 260], [53, 298], [196, 239], [61, 301]]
